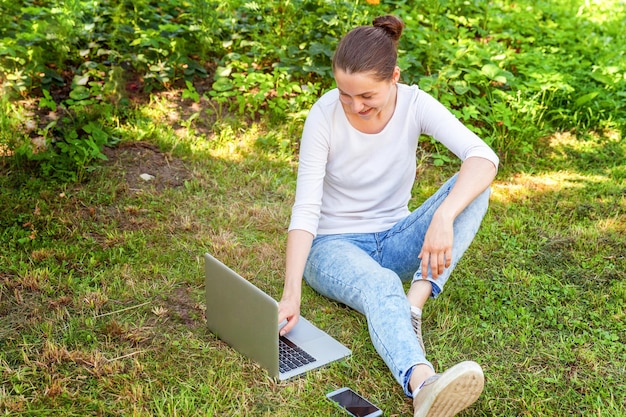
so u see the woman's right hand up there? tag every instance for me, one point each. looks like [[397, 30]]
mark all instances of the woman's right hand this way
[[288, 309], [298, 247]]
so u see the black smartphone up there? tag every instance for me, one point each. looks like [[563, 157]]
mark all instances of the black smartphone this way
[[353, 403]]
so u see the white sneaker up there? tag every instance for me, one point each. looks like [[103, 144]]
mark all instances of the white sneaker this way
[[447, 394]]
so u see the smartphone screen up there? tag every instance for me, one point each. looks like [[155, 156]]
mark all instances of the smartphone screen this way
[[354, 403]]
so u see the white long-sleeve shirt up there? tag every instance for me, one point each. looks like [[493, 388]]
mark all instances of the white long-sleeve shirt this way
[[354, 182]]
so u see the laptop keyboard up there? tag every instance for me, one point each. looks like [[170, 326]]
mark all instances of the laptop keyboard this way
[[291, 356]]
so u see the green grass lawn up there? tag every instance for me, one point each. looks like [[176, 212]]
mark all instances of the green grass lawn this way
[[101, 296]]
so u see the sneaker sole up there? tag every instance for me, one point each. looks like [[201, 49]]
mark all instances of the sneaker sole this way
[[456, 389]]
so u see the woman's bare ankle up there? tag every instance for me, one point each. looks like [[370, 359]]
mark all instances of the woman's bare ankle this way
[[419, 293], [420, 374]]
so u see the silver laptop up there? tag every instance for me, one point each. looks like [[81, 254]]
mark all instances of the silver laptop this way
[[247, 319]]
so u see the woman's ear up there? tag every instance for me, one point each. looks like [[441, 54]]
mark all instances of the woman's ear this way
[[396, 74]]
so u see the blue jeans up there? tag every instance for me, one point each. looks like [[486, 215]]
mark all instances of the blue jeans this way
[[366, 270]]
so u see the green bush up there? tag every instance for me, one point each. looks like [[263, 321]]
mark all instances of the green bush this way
[[77, 57], [504, 69], [501, 67]]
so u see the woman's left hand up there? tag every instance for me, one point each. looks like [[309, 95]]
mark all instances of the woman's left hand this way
[[475, 176]]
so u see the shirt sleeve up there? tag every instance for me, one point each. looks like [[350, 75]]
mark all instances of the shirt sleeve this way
[[437, 121], [314, 150]]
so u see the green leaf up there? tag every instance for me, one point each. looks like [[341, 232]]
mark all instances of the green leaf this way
[[223, 71], [80, 80], [460, 87], [491, 71], [80, 93], [223, 84], [602, 78], [495, 73], [586, 98]]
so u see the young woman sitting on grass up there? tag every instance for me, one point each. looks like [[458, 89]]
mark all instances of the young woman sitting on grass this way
[[352, 236]]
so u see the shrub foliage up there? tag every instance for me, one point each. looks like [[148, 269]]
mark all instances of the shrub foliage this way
[[70, 70]]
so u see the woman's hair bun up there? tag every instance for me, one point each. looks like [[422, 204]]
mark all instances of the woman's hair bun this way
[[392, 25]]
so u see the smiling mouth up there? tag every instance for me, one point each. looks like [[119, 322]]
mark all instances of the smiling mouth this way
[[365, 112]]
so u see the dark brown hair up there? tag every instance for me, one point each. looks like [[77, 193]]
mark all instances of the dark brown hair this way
[[370, 48]]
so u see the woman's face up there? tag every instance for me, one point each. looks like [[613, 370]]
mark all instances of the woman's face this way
[[364, 96]]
